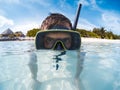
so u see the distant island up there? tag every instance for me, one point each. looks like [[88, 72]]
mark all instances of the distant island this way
[[95, 33], [9, 35]]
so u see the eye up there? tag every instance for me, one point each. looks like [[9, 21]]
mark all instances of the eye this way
[[49, 40], [67, 40]]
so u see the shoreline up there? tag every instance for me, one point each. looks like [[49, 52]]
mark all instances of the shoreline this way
[[18, 39], [83, 39]]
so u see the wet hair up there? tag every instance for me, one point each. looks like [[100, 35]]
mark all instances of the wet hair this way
[[56, 20]]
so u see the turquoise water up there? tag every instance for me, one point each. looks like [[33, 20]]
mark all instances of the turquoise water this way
[[96, 67]]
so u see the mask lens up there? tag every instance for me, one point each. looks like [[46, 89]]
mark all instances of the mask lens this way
[[49, 42], [69, 40], [57, 44]]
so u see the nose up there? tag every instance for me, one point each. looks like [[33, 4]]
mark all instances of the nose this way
[[59, 46]]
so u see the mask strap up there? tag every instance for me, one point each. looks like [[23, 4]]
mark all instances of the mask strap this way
[[59, 27]]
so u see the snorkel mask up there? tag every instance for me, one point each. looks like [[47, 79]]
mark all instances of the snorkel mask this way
[[71, 42]]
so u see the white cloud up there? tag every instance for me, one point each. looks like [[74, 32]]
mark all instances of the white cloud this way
[[44, 3], [5, 21], [91, 4], [62, 3], [23, 2], [84, 2], [111, 21], [94, 5], [10, 1], [84, 24], [2, 12], [24, 27]]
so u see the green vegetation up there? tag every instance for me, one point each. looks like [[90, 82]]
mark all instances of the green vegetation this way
[[19, 34], [85, 33], [98, 33], [95, 33], [32, 33]]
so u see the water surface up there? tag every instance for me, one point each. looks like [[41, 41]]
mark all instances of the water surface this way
[[23, 68]]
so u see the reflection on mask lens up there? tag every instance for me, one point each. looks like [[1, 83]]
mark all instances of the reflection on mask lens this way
[[57, 43]]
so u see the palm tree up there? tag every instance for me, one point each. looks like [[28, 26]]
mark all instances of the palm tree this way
[[102, 32], [109, 35]]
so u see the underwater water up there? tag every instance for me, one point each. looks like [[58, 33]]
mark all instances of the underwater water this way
[[95, 67]]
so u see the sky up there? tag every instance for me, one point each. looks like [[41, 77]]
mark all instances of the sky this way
[[24, 15]]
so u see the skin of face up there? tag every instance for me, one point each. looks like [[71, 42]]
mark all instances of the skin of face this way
[[53, 36]]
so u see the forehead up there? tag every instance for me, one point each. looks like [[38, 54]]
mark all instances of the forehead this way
[[58, 35]]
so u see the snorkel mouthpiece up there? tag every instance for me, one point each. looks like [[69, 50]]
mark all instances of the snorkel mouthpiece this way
[[59, 46]]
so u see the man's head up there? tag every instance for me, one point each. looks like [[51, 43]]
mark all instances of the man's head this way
[[56, 21], [56, 34]]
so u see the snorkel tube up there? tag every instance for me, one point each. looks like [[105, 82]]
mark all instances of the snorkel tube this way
[[76, 21], [77, 17]]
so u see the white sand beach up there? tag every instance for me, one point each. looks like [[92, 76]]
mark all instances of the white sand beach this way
[[99, 40]]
